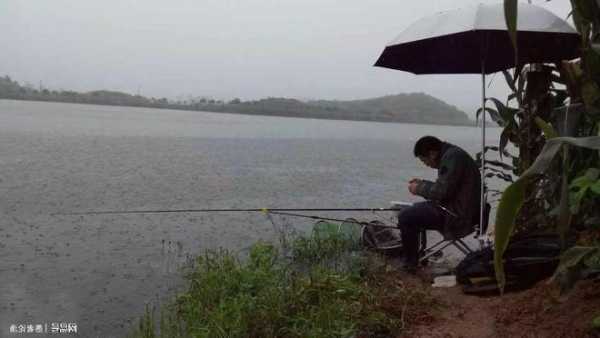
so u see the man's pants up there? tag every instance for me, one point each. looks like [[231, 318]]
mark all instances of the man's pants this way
[[412, 221]]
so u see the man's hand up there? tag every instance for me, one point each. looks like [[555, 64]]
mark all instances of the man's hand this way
[[412, 185]]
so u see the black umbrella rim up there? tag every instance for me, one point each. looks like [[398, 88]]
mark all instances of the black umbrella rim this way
[[471, 36]]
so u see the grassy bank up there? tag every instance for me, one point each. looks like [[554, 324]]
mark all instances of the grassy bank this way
[[318, 286]]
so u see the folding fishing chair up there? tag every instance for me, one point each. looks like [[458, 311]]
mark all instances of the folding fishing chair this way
[[449, 237]]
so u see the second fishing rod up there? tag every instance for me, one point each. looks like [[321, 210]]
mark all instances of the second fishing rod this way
[[272, 211], [264, 210]]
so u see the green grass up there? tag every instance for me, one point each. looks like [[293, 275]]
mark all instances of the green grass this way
[[325, 289]]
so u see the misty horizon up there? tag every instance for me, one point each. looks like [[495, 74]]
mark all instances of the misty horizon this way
[[305, 50], [41, 86]]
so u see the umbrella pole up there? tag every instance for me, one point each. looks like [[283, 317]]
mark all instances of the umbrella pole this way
[[483, 113]]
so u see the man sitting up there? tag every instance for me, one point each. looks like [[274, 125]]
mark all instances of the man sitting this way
[[452, 200]]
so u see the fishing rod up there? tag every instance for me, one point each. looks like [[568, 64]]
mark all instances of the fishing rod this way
[[263, 210], [266, 211]]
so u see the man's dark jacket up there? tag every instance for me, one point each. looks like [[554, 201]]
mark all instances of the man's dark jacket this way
[[457, 188]]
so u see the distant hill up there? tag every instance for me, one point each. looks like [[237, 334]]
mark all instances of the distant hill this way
[[405, 108], [408, 108]]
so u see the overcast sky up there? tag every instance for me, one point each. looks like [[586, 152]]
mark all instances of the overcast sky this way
[[307, 49]]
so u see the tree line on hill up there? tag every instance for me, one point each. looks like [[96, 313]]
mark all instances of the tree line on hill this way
[[407, 108]]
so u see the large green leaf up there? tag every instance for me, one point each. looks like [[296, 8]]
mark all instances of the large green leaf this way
[[493, 114], [560, 95], [580, 186], [596, 187], [510, 80], [592, 174], [514, 195], [575, 201], [564, 216], [510, 203], [510, 15], [547, 128], [512, 97], [592, 63], [572, 257], [507, 113], [499, 164], [505, 136], [571, 264], [579, 183], [595, 323], [578, 18], [593, 260], [515, 84], [585, 8]]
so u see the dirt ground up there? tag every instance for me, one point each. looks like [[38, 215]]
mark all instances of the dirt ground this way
[[534, 313]]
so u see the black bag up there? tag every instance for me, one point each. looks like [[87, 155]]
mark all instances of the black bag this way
[[527, 260]]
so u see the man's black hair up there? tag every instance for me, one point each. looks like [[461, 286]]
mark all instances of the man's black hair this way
[[426, 144]]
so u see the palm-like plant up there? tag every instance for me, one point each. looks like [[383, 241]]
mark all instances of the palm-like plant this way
[[576, 155]]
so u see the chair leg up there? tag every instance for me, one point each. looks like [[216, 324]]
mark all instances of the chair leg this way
[[462, 246], [422, 240], [458, 243], [432, 250]]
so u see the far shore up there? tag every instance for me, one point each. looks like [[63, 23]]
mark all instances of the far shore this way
[[472, 123], [419, 108]]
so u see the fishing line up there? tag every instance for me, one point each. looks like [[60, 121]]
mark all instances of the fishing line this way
[[268, 212], [264, 210], [333, 219]]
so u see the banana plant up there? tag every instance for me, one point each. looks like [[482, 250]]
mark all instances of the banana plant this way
[[583, 187], [577, 263], [582, 81], [514, 195]]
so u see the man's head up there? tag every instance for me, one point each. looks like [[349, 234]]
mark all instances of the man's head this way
[[428, 149]]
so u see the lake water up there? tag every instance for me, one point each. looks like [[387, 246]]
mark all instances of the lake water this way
[[99, 271]]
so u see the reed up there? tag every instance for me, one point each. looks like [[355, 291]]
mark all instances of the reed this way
[[324, 287]]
